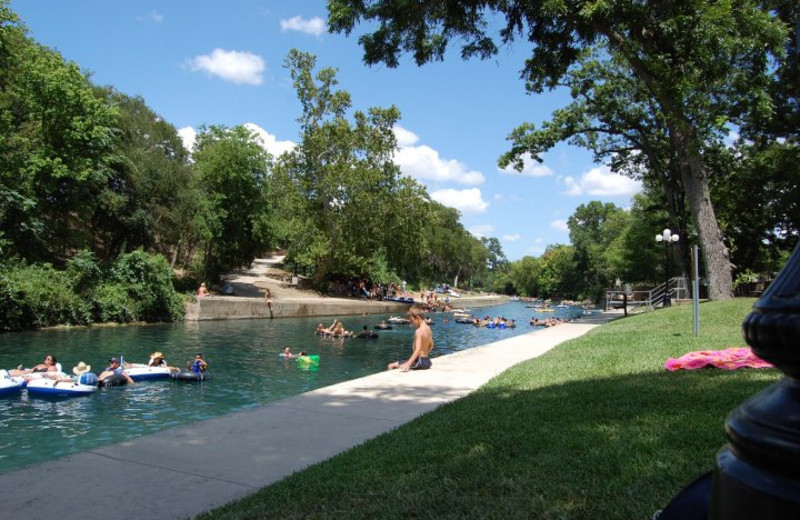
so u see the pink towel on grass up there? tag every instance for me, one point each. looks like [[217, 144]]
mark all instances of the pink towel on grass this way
[[729, 359]]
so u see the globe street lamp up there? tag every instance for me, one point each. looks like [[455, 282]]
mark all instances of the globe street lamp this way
[[668, 238]]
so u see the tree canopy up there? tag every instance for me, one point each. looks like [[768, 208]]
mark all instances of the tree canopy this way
[[703, 65]]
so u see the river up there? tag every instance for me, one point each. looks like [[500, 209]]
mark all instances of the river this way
[[243, 362]]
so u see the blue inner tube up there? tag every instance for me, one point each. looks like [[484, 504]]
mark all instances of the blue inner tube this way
[[114, 380], [186, 375]]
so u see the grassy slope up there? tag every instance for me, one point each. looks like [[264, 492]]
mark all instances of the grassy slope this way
[[594, 429]]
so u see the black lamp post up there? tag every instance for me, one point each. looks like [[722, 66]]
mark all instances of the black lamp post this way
[[758, 472], [668, 238]]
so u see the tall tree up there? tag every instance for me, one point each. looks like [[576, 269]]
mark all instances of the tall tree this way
[[341, 178], [233, 170], [592, 228], [701, 63], [526, 277], [55, 141], [630, 255], [558, 275], [497, 259], [152, 197]]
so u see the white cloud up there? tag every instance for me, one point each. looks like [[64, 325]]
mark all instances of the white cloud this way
[[187, 135], [234, 66], [154, 17], [601, 182], [537, 248], [482, 230], [404, 137], [511, 238], [424, 163], [269, 142], [314, 26], [559, 225], [469, 201], [506, 198], [731, 138], [530, 168]]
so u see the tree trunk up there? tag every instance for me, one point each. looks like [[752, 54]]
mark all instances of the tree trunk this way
[[695, 183]]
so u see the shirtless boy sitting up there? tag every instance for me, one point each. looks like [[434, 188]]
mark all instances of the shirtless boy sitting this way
[[423, 344]]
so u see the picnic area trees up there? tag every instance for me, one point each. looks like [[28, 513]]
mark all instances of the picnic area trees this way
[[703, 65]]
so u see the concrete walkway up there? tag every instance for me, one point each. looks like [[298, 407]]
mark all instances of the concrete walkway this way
[[185, 471]]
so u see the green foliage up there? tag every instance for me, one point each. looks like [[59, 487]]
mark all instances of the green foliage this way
[[232, 169], [114, 303], [34, 296], [85, 167], [53, 152], [147, 278], [667, 78], [138, 287], [339, 196], [83, 271], [139, 205], [756, 193]]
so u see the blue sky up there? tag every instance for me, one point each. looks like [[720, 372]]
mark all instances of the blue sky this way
[[208, 62]]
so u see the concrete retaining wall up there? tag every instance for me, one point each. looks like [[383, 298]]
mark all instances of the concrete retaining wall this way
[[237, 308]]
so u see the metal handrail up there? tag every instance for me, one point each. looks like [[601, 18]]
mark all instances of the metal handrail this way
[[651, 299]]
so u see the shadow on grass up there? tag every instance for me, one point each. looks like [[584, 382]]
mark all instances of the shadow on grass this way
[[611, 448]]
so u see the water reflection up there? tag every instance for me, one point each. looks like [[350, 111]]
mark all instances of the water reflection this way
[[243, 360]]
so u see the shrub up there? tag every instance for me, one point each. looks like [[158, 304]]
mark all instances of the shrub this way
[[83, 271], [38, 295], [112, 303], [148, 279]]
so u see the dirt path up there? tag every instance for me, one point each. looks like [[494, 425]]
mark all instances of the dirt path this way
[[263, 274]]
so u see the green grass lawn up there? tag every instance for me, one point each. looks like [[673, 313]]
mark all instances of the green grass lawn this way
[[594, 429]]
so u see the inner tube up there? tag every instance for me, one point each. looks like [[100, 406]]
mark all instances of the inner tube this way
[[313, 359], [186, 375], [383, 327], [114, 380], [86, 385], [144, 373], [10, 385]]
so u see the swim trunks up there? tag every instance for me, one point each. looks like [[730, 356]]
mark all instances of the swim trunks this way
[[422, 363]]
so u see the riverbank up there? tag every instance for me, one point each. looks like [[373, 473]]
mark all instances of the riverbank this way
[[236, 307], [290, 300]]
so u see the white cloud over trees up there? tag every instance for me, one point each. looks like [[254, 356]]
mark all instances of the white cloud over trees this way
[[601, 182], [234, 66], [468, 202], [314, 26]]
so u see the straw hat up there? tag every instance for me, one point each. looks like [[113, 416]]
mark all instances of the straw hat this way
[[81, 368], [156, 355]]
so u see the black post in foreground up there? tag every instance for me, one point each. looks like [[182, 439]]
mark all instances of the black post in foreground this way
[[758, 472]]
